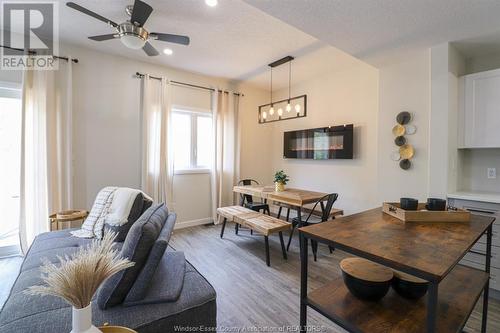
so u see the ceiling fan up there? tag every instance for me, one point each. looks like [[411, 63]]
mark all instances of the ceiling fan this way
[[132, 32]]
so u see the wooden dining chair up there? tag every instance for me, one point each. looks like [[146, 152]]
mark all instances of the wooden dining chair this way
[[310, 219], [246, 200]]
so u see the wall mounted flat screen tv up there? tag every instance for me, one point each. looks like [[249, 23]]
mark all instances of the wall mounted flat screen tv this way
[[325, 143]]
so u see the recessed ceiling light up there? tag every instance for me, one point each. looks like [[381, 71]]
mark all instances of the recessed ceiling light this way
[[211, 3], [168, 51]]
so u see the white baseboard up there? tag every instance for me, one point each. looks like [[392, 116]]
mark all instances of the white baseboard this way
[[192, 223]]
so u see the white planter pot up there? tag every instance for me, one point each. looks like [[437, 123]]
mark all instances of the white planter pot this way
[[82, 321]]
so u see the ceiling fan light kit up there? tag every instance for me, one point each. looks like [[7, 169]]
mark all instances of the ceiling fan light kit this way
[[132, 33]]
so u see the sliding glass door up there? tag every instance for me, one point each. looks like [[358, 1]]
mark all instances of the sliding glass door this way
[[10, 163]]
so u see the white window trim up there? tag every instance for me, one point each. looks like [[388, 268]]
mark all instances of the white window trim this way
[[194, 113]]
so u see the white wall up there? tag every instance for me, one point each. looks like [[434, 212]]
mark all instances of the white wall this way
[[404, 86], [347, 95], [107, 128]]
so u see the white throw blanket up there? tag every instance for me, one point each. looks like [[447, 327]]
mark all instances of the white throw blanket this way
[[123, 200], [93, 224], [112, 206]]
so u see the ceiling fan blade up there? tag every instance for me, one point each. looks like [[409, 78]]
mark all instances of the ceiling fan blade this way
[[184, 40], [150, 50], [100, 38], [90, 13], [140, 13]]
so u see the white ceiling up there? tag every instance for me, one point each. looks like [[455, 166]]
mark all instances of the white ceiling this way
[[233, 40], [378, 31]]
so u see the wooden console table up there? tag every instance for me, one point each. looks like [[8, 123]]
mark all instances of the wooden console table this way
[[430, 251]]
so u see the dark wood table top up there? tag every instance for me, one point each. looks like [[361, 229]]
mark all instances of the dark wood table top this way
[[425, 249]]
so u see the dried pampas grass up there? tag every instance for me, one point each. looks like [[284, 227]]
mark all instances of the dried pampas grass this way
[[77, 277]]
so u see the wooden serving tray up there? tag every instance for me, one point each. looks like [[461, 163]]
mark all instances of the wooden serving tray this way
[[423, 215]]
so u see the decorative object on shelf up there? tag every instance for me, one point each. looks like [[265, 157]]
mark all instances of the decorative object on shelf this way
[[290, 108], [67, 219], [406, 150], [409, 286], [365, 279], [421, 214], [77, 277], [280, 180], [408, 203]]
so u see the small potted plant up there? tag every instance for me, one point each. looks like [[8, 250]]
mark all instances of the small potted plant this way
[[280, 180]]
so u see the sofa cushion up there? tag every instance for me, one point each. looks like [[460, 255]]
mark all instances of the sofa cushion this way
[[136, 247], [141, 284], [135, 212], [165, 284], [195, 306]]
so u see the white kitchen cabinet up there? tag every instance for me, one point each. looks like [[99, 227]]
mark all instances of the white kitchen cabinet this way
[[479, 110], [477, 255]]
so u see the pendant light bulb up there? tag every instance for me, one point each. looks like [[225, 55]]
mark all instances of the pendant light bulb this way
[[297, 108], [288, 107], [280, 112], [264, 115], [271, 111]]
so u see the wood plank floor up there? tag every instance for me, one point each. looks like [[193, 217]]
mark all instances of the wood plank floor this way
[[250, 294]]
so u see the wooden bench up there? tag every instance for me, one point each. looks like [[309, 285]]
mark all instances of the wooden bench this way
[[261, 223]]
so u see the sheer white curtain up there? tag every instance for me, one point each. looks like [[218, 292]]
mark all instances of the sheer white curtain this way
[[225, 171], [46, 149], [157, 162]]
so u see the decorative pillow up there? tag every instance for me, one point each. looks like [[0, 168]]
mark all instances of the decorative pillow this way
[[167, 282], [136, 247], [143, 281]]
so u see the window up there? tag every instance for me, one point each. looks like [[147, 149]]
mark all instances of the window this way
[[192, 140], [10, 155]]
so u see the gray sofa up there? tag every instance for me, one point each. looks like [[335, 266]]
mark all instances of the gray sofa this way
[[194, 305]]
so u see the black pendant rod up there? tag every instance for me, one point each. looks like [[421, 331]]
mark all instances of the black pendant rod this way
[[34, 53], [140, 75]]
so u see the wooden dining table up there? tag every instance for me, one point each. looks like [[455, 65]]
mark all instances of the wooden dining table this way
[[294, 197]]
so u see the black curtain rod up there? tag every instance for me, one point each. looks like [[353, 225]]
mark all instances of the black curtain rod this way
[[137, 74], [34, 53]]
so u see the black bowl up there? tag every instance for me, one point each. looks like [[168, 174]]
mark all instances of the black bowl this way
[[365, 279], [408, 287]]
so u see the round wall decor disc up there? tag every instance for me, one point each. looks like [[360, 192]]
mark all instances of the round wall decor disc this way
[[410, 129], [395, 156], [400, 140], [406, 151], [405, 164], [398, 130], [403, 118]]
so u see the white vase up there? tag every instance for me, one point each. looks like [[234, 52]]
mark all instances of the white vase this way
[[82, 320]]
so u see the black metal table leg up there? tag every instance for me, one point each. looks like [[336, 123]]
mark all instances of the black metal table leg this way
[[314, 247], [303, 282], [287, 214], [268, 260], [223, 227], [236, 228], [486, 292], [432, 299], [283, 246], [279, 212], [299, 224]]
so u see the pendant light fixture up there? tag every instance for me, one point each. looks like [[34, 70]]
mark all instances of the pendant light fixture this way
[[284, 107], [271, 110], [288, 106]]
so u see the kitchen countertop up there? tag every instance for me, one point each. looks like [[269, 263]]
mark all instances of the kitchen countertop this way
[[492, 197]]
